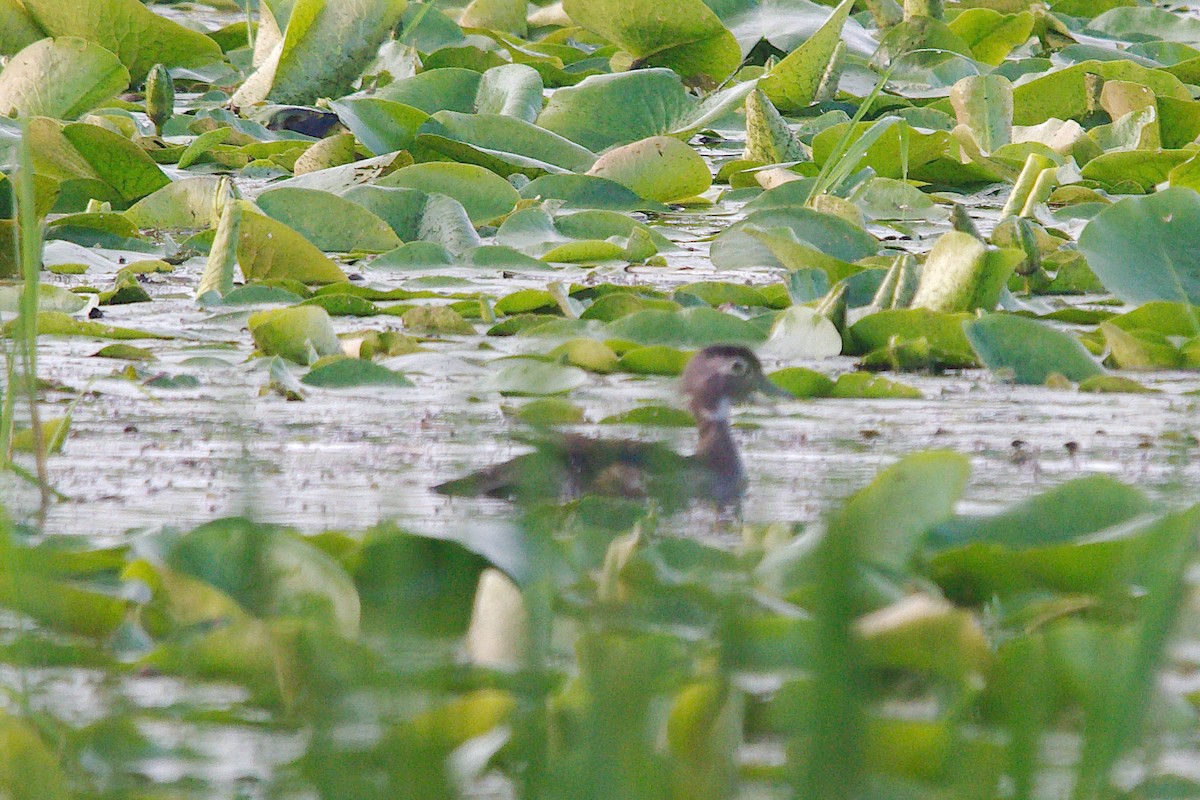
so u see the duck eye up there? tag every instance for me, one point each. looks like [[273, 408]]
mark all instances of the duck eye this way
[[738, 367]]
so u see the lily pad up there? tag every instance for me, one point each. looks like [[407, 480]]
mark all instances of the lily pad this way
[[60, 78], [684, 35], [270, 250], [301, 334], [138, 36], [482, 193], [309, 211], [1142, 248], [792, 84], [530, 376], [345, 373], [1029, 351], [659, 168], [324, 47]]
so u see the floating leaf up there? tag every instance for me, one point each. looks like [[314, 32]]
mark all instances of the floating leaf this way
[[963, 274], [482, 193], [792, 84], [345, 373], [863, 385], [138, 36], [1028, 350], [271, 572], [892, 516], [684, 35], [659, 168], [49, 298], [529, 376], [309, 211], [802, 382], [324, 48], [269, 250], [301, 334], [606, 110], [60, 78], [800, 332], [1142, 248], [56, 323]]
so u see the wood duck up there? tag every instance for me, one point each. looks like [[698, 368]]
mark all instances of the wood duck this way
[[565, 465]]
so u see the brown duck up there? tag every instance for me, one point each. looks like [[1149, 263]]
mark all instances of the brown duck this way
[[565, 466]]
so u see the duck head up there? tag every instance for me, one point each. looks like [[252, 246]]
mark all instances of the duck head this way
[[719, 376]]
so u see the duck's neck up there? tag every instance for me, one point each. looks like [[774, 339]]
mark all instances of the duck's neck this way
[[717, 450]]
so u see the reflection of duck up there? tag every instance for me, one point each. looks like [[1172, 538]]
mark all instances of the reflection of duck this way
[[570, 465]]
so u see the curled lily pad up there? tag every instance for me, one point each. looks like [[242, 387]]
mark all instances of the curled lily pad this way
[[511, 90], [792, 84], [60, 78], [505, 145], [381, 125], [138, 36], [684, 35], [774, 237], [417, 216], [269, 250], [269, 571], [323, 48], [606, 110], [800, 332]]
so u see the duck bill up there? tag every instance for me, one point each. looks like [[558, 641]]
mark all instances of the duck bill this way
[[771, 390]]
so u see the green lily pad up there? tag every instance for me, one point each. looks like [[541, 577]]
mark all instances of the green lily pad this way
[[481, 192], [56, 323], [585, 191], [892, 516], [606, 110], [530, 376], [684, 35], [125, 352], [692, 327], [301, 334], [792, 84], [800, 332], [865, 386], [138, 36], [943, 332], [185, 203], [413, 215], [270, 250], [962, 274], [821, 240], [60, 78], [309, 211], [659, 168], [504, 145], [659, 416], [511, 90], [654, 359], [323, 48], [802, 382], [1142, 248], [270, 572], [436, 320], [1028, 350], [381, 125], [346, 373], [50, 298]]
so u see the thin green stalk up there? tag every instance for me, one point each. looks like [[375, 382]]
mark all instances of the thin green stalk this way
[[29, 254]]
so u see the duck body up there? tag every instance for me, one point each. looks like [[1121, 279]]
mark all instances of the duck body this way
[[565, 466]]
